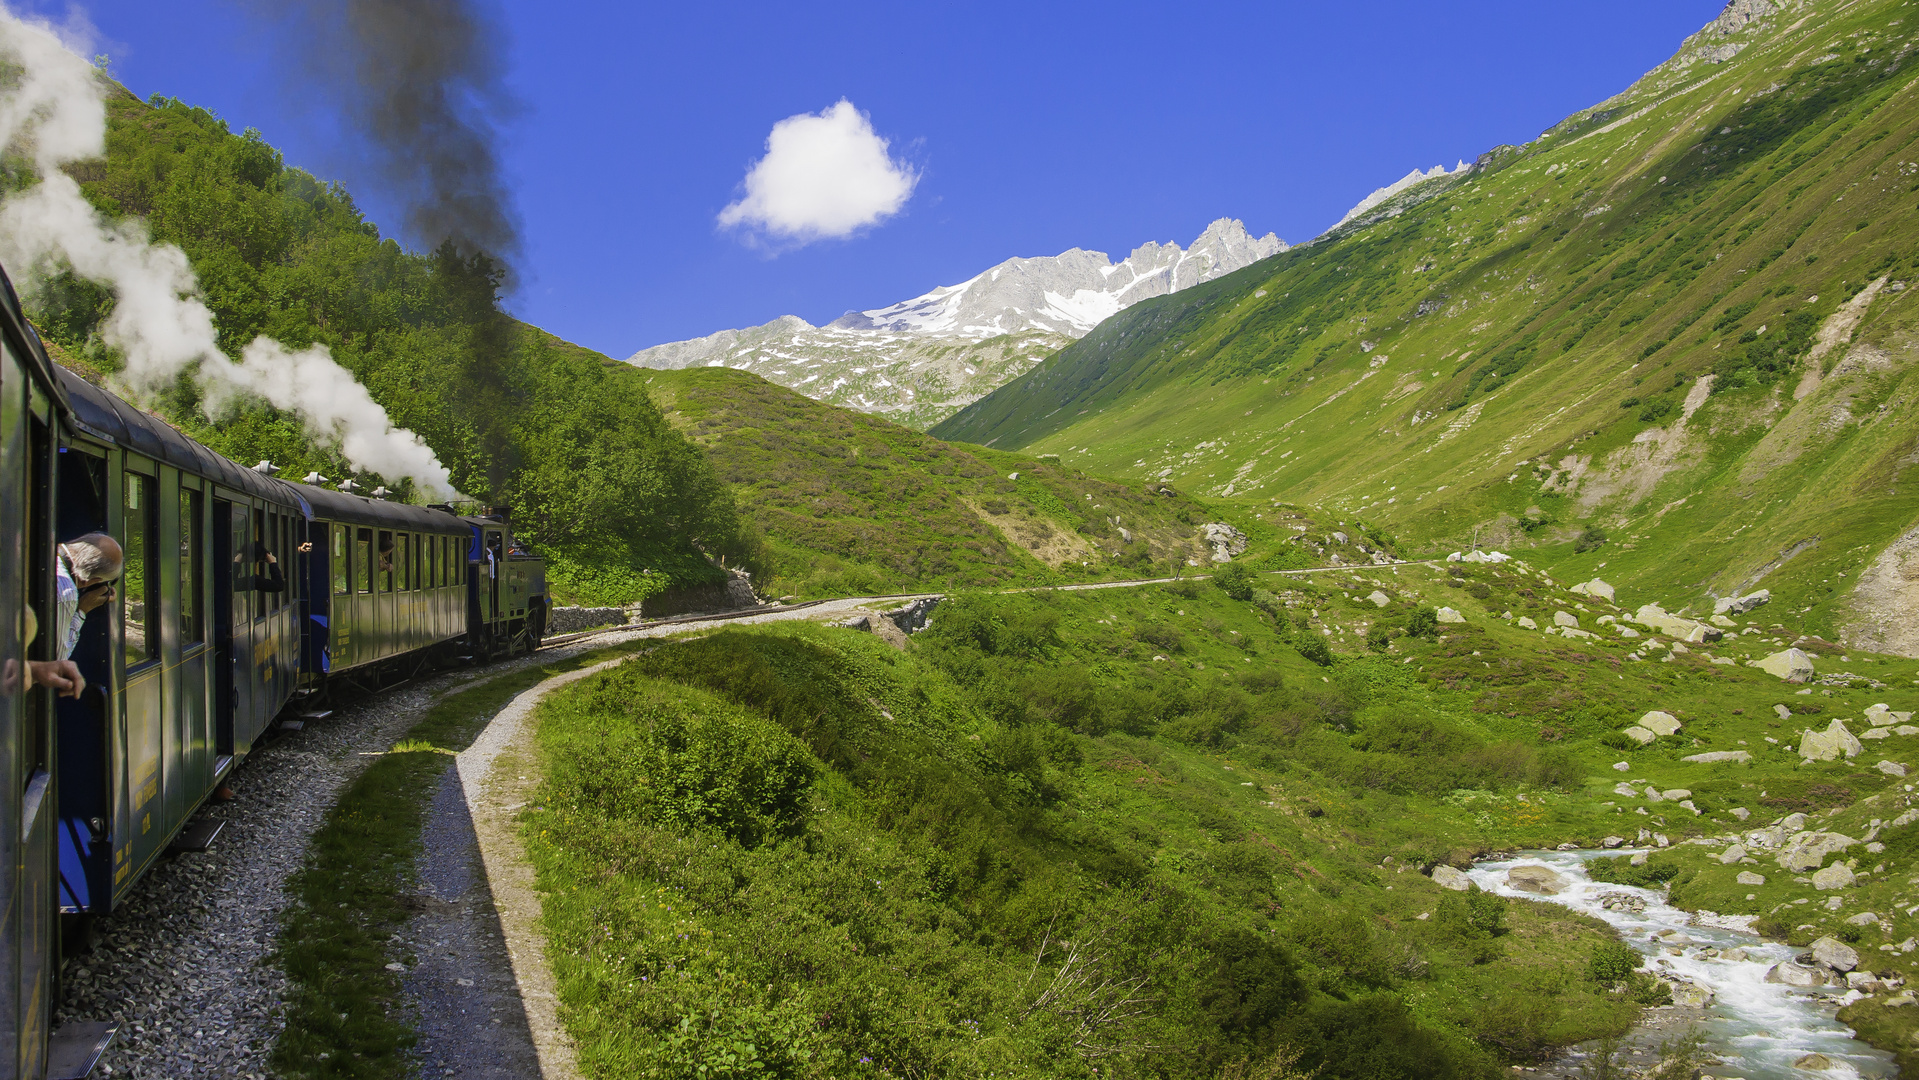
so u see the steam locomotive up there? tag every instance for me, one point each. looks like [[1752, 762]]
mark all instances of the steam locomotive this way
[[244, 599]]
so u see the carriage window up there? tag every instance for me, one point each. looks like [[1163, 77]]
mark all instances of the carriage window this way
[[459, 560], [414, 562], [140, 581], [430, 562], [242, 567], [190, 625], [363, 559], [403, 563], [342, 573], [386, 561]]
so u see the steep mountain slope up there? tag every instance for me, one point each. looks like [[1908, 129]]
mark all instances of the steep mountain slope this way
[[1679, 318], [919, 360], [847, 503]]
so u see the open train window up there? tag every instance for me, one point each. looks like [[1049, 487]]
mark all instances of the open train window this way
[[363, 559], [192, 626], [403, 562], [342, 569], [140, 580], [386, 561]]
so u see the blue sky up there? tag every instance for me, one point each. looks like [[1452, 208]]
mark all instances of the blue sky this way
[[1032, 127]]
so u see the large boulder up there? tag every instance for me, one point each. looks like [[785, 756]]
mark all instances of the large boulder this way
[[1448, 878], [1639, 735], [1792, 665], [1660, 723], [1843, 739], [1747, 877], [1450, 615], [1740, 605], [1565, 618], [1732, 855], [1656, 617], [1537, 879], [1808, 850], [1891, 768], [1792, 974], [1595, 587], [1379, 599], [1835, 954], [1525, 622], [1836, 876], [1829, 745]]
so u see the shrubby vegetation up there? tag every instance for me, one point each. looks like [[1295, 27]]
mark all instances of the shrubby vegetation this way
[[568, 438], [1026, 847]]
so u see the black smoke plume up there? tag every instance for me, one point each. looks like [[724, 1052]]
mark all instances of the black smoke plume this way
[[420, 85]]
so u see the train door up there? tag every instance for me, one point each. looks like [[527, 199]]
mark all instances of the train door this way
[[495, 577], [189, 619], [27, 827], [232, 625]]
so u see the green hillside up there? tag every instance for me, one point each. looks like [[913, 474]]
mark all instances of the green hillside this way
[[1679, 319], [844, 502], [567, 437]]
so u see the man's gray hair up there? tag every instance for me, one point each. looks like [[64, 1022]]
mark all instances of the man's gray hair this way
[[95, 556]]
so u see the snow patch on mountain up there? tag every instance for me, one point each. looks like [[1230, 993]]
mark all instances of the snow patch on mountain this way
[[920, 360]]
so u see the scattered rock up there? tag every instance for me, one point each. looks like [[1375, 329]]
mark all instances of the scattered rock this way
[[1740, 605], [1611, 842], [1688, 995], [1879, 715], [1813, 1063], [1526, 622], [1379, 599], [1449, 615], [1732, 855], [1836, 876], [1864, 918], [1808, 850], [1716, 756], [1536, 879], [1740, 812], [1656, 617], [1835, 954], [1595, 587], [1660, 723], [1792, 974], [1622, 766], [1676, 794], [1891, 768], [1747, 877], [1782, 712], [1565, 618], [1829, 744], [1625, 790], [1448, 878], [1722, 622], [1792, 665], [1639, 735]]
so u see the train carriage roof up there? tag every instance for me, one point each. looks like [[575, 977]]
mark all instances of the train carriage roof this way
[[104, 415], [14, 323]]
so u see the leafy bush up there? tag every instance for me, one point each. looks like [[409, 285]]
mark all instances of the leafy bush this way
[[1590, 540], [1423, 623], [1235, 581], [1313, 647], [1619, 870], [1613, 962]]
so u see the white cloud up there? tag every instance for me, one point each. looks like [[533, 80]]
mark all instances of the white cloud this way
[[824, 176]]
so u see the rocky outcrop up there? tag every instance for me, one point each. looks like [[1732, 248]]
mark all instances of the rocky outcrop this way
[[1885, 598], [1448, 878], [1225, 540], [1832, 953], [1714, 757], [1806, 850], [1450, 615], [1792, 974], [1836, 876], [1660, 723], [1595, 587]]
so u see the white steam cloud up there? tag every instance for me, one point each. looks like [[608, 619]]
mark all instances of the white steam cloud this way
[[824, 176], [53, 112]]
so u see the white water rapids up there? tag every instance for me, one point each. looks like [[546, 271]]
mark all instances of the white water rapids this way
[[1757, 1028]]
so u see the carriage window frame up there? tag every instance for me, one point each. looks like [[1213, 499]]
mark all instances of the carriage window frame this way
[[364, 563], [385, 556], [193, 623], [139, 584], [339, 558]]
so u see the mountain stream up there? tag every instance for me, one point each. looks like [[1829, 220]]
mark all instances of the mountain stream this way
[[1757, 1029]]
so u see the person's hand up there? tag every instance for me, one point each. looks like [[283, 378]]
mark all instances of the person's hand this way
[[60, 676], [270, 558], [90, 599], [306, 547]]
